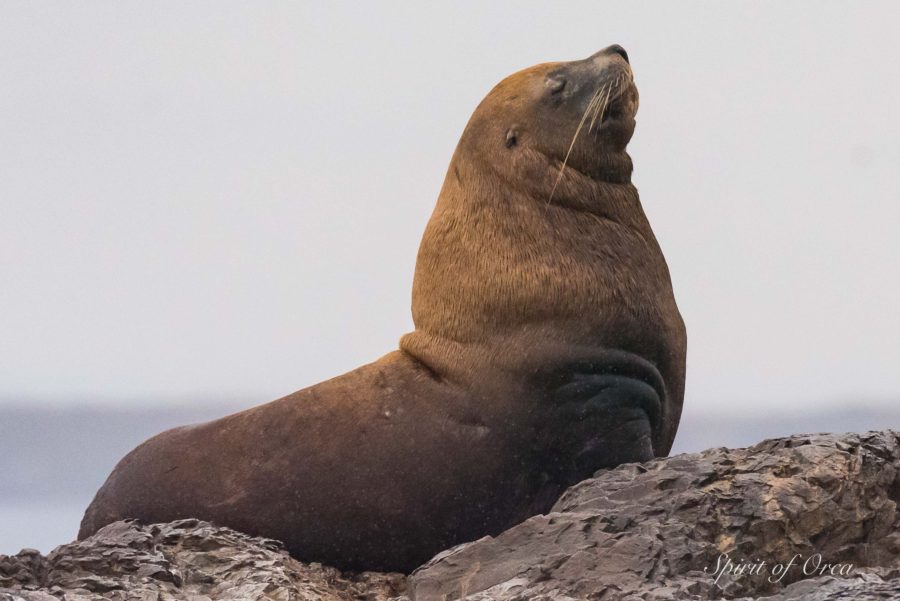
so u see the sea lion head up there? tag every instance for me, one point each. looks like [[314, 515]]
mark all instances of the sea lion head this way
[[580, 114]]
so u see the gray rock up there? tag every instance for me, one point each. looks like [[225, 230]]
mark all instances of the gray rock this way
[[654, 531], [657, 530], [187, 559], [865, 587]]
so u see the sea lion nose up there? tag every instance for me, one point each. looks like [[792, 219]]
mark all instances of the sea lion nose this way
[[615, 48]]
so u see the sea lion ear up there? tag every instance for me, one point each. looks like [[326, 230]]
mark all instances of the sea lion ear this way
[[555, 83], [512, 137]]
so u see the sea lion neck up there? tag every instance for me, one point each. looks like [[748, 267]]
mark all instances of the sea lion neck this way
[[506, 276]]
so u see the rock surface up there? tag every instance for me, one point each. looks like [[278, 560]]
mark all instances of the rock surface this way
[[653, 531], [657, 530], [187, 559]]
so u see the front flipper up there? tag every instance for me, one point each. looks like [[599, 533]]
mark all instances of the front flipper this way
[[609, 419]]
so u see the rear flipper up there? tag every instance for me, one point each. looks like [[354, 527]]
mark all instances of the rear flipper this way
[[609, 420]]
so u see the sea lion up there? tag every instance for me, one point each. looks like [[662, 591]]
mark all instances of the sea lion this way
[[547, 345]]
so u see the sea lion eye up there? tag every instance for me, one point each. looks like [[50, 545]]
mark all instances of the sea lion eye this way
[[556, 84], [512, 136]]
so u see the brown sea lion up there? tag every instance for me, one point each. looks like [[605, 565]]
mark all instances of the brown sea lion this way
[[547, 345]]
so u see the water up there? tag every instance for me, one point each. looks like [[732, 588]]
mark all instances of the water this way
[[53, 460], [40, 524]]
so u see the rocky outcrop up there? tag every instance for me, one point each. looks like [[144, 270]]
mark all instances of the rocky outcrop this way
[[806, 517], [659, 530], [187, 559]]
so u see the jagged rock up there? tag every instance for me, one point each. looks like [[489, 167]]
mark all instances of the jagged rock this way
[[652, 531], [865, 587], [187, 559], [657, 530]]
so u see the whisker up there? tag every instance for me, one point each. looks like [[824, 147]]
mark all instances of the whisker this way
[[572, 145], [600, 108], [594, 112]]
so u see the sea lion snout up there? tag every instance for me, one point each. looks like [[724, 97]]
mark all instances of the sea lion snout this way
[[613, 49]]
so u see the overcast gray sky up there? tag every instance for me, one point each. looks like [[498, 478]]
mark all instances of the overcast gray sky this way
[[224, 200]]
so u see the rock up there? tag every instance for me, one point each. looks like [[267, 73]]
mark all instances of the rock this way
[[187, 559], [660, 530], [657, 530], [866, 587]]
